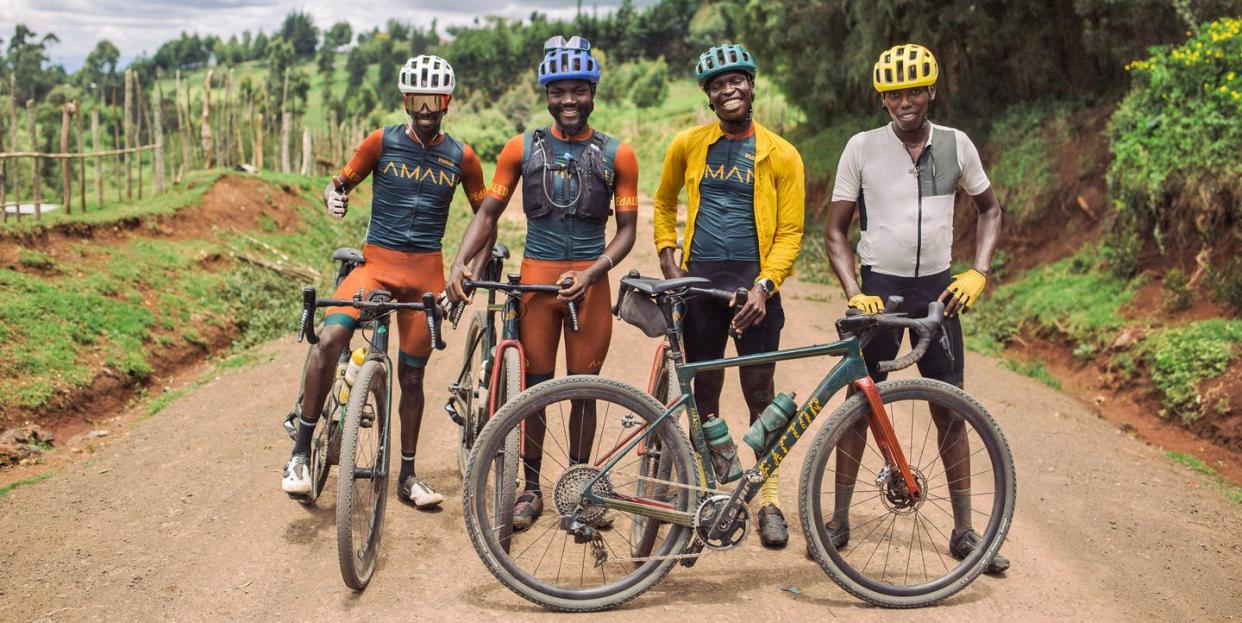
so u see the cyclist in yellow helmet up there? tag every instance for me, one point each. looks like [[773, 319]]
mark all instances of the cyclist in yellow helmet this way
[[902, 180]]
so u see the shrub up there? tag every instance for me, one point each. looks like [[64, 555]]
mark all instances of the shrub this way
[[1182, 357], [1175, 140]]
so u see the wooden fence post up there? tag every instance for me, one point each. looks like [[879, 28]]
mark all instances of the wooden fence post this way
[[140, 120], [14, 173], [98, 164], [226, 121], [116, 162], [258, 140], [4, 176], [157, 131], [127, 114], [34, 169], [206, 132], [66, 197], [307, 156], [81, 161], [185, 154]]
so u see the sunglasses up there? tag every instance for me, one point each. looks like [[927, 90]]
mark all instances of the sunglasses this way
[[434, 103], [561, 43]]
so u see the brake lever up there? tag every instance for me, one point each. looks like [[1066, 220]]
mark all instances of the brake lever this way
[[433, 320], [573, 306], [307, 330], [739, 301]]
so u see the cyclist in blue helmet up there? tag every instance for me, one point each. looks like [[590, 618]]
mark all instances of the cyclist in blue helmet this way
[[573, 179]]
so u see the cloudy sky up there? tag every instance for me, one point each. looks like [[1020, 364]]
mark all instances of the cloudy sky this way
[[138, 26]]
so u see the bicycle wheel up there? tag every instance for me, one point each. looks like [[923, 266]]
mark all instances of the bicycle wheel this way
[[505, 468], [546, 564], [321, 448], [363, 480], [471, 397], [645, 530], [897, 550]]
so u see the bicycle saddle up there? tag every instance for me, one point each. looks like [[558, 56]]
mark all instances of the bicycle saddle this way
[[500, 251], [652, 287], [346, 254]]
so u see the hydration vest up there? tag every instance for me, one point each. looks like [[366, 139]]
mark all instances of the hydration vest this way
[[585, 187]]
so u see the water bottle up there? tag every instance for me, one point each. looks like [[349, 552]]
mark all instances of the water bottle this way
[[722, 449], [350, 376], [771, 423]]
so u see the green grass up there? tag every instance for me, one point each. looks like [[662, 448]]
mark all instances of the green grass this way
[[1024, 174], [1183, 357], [1072, 299], [37, 478], [1035, 370], [1231, 491]]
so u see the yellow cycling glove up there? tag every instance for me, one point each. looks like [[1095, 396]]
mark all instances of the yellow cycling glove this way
[[966, 287], [866, 303]]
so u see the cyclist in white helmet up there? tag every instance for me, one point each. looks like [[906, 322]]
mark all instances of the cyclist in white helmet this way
[[416, 170]]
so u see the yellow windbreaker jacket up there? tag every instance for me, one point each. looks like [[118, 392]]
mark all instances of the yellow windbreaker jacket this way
[[780, 196]]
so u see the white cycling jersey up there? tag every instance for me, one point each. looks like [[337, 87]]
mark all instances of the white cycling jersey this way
[[906, 209]]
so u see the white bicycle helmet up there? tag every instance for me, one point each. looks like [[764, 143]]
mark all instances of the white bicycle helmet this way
[[427, 74]]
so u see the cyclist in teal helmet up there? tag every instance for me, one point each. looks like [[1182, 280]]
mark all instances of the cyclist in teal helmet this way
[[745, 197]]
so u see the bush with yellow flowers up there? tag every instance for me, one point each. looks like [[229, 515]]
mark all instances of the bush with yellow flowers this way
[[1176, 141]]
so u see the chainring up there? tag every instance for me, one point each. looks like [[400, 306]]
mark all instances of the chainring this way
[[730, 537]]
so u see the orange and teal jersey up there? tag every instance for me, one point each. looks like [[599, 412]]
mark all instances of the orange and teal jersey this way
[[413, 185], [725, 228]]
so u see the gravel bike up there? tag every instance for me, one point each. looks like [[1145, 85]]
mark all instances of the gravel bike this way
[[879, 446], [493, 373], [362, 484]]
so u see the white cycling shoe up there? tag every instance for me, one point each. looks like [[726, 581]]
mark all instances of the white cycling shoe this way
[[297, 478], [417, 492]]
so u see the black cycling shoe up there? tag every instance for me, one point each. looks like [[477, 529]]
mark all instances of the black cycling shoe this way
[[773, 531], [963, 542], [839, 533]]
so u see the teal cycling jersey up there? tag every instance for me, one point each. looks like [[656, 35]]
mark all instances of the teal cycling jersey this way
[[724, 230]]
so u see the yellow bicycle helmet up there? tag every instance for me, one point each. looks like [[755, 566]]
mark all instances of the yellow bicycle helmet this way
[[905, 66]]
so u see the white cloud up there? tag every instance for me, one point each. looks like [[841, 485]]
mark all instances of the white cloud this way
[[141, 26]]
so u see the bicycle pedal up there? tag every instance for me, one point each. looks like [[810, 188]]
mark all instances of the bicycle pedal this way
[[366, 421]]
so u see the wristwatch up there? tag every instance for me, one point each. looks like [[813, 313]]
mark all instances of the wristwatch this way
[[769, 287]]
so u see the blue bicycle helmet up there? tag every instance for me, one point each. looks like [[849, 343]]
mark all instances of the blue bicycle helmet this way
[[568, 60]]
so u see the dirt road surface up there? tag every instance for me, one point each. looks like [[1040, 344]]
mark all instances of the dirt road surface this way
[[182, 518]]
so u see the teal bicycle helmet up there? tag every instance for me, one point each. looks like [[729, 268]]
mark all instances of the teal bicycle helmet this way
[[722, 58]]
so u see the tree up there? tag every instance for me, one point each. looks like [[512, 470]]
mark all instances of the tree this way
[[27, 54], [99, 70], [258, 50], [356, 67], [648, 86], [338, 35], [300, 31]]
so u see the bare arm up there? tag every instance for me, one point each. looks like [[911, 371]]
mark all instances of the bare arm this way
[[987, 230], [479, 233], [837, 239]]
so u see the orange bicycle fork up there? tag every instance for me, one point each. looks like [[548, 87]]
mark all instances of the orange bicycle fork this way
[[882, 429]]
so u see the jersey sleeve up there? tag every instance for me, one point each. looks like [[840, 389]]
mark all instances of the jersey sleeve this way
[[365, 157], [508, 169], [625, 167], [848, 183], [472, 177], [974, 179]]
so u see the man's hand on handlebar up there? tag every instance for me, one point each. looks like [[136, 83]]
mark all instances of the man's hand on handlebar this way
[[753, 311], [574, 284], [455, 290]]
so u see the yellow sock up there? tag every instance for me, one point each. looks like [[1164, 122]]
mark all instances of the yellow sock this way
[[768, 492]]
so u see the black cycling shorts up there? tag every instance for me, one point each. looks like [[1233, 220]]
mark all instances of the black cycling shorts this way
[[918, 292], [705, 326]]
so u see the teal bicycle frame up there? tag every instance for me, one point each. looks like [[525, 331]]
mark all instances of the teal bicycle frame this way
[[851, 370]]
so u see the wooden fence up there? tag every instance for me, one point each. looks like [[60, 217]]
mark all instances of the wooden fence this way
[[229, 133]]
